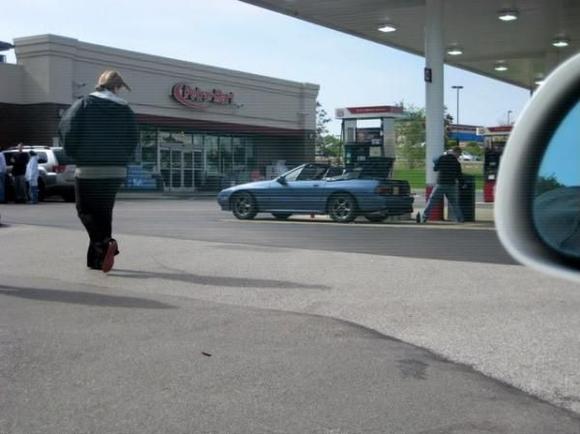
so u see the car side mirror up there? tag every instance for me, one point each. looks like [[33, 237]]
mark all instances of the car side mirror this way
[[538, 190], [281, 180]]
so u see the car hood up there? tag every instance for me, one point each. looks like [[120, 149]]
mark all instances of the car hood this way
[[248, 185]]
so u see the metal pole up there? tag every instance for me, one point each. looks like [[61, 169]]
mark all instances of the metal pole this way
[[434, 57], [457, 105], [457, 88]]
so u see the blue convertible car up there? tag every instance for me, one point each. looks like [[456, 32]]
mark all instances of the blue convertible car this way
[[307, 189]]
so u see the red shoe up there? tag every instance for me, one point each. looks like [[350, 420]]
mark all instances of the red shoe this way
[[109, 259]]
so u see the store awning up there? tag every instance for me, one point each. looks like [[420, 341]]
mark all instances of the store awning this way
[[529, 46]]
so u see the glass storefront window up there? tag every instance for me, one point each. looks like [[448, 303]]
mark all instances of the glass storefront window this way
[[198, 142], [239, 152], [226, 155], [212, 155], [175, 138], [178, 159], [148, 149]]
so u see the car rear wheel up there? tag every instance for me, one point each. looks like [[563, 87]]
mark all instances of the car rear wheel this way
[[281, 215], [244, 206], [376, 218], [342, 208]]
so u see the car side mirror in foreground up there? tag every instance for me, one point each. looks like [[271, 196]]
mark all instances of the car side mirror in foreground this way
[[538, 190], [281, 180]]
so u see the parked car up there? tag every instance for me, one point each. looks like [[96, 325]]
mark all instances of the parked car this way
[[56, 172], [308, 190], [466, 156]]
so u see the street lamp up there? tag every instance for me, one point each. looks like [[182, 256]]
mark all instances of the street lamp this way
[[509, 116], [457, 88]]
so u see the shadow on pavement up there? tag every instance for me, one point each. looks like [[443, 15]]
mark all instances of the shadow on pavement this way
[[234, 282], [79, 297]]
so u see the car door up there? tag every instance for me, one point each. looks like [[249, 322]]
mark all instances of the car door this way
[[301, 190]]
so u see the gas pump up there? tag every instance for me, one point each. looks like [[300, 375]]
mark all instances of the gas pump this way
[[371, 150], [495, 139]]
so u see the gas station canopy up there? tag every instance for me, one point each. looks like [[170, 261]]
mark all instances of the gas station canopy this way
[[514, 41]]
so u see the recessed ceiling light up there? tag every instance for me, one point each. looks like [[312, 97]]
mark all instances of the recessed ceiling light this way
[[500, 67], [508, 15], [455, 50], [387, 28], [560, 42]]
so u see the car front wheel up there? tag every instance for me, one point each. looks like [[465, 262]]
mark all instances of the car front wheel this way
[[342, 208], [244, 206]]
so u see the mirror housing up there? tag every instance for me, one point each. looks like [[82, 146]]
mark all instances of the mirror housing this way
[[281, 180], [518, 172]]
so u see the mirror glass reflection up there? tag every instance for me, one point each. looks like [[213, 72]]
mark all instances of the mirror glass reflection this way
[[556, 205]]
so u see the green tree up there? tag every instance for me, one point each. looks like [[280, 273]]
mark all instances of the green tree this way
[[322, 120], [410, 134], [547, 183], [331, 147]]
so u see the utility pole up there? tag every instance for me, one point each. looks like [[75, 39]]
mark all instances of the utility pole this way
[[457, 88]]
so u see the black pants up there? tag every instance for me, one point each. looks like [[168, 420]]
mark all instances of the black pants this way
[[95, 199]]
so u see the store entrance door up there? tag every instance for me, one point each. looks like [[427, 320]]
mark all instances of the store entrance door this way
[[176, 166]]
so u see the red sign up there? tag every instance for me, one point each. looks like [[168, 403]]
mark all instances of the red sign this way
[[200, 99], [375, 109], [504, 129]]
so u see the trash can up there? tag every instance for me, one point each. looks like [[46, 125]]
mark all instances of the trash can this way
[[466, 199]]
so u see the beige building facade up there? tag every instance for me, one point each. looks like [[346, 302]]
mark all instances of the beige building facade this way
[[201, 127]]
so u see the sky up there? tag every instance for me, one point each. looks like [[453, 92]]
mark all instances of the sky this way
[[235, 35], [562, 158]]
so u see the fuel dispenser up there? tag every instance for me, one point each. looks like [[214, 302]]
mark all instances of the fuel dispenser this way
[[495, 139], [371, 150]]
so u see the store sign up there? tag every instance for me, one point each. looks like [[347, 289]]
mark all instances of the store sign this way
[[369, 112], [196, 98]]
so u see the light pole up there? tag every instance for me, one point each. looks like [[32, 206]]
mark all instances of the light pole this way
[[509, 116], [457, 88]]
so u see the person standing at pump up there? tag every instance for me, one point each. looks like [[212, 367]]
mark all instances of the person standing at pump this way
[[99, 133], [31, 176], [19, 162], [449, 174]]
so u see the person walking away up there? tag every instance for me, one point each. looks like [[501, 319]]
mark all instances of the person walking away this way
[[2, 178], [31, 176], [99, 133], [19, 162], [449, 174]]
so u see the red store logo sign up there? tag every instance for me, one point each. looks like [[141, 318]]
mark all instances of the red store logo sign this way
[[196, 98]]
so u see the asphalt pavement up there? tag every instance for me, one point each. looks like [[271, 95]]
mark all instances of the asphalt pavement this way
[[200, 335], [200, 219]]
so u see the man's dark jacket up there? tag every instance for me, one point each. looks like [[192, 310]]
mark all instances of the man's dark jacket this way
[[449, 170], [99, 132], [19, 162]]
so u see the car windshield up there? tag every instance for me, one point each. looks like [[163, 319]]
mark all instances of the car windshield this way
[[277, 216]]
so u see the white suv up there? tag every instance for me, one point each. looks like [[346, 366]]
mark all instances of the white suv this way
[[56, 172]]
